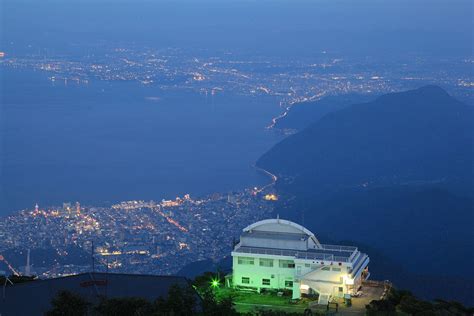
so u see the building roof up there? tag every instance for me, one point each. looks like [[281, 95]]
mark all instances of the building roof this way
[[38, 294], [277, 225], [285, 238], [279, 233]]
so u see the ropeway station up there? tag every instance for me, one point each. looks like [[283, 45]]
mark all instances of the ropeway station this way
[[280, 254]]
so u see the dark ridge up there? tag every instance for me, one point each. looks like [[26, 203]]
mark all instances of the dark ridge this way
[[396, 174], [303, 114]]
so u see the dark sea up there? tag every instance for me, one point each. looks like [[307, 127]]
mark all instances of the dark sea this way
[[106, 142], [103, 142]]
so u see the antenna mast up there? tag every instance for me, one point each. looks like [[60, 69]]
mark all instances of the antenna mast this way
[[92, 256], [28, 268]]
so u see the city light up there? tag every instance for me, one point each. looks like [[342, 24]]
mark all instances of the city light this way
[[271, 197], [348, 280], [304, 287], [133, 234]]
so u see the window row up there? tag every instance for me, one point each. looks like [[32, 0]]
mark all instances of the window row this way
[[245, 260], [265, 262], [246, 280]]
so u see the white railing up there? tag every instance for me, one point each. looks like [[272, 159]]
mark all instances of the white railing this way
[[292, 253], [266, 251], [339, 248]]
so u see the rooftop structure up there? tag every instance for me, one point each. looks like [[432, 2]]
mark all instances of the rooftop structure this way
[[280, 254]]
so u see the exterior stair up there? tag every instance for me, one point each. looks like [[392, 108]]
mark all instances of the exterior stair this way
[[323, 299]]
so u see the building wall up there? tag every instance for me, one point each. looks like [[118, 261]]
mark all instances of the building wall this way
[[279, 277], [333, 281], [334, 278], [305, 266]]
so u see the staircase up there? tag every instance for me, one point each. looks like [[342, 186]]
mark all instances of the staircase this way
[[323, 299]]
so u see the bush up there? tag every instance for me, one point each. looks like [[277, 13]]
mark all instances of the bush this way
[[406, 302], [124, 307], [67, 303], [382, 307], [411, 305]]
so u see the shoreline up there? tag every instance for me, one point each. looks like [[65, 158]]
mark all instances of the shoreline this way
[[290, 104], [268, 173]]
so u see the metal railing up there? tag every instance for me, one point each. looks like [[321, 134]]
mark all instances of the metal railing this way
[[339, 248], [292, 253]]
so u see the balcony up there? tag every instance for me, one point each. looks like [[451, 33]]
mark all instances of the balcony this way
[[327, 253]]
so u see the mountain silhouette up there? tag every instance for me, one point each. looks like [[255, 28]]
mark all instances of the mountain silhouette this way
[[303, 114], [396, 174], [417, 136]]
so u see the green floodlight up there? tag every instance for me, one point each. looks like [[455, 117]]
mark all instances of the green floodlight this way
[[215, 283]]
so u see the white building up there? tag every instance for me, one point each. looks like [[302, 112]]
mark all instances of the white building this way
[[280, 254]]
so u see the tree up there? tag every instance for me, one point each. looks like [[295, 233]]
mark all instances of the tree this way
[[282, 313], [382, 307], [181, 301], [213, 307], [68, 304], [128, 306], [454, 308], [407, 303], [206, 279], [411, 305]]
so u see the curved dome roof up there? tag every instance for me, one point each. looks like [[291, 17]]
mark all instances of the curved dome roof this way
[[281, 226]]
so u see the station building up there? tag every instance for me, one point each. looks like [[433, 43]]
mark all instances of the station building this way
[[280, 254]]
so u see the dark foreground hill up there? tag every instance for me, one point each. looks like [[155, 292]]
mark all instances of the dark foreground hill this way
[[395, 174]]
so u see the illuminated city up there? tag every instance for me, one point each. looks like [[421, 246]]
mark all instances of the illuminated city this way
[[306, 80], [132, 236]]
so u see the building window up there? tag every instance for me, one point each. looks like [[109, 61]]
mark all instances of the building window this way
[[307, 265], [265, 281], [326, 268], [287, 264], [266, 262], [245, 260], [288, 283], [245, 280], [336, 269]]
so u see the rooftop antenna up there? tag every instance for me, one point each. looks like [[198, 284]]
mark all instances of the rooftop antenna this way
[[92, 257], [5, 284], [106, 276]]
